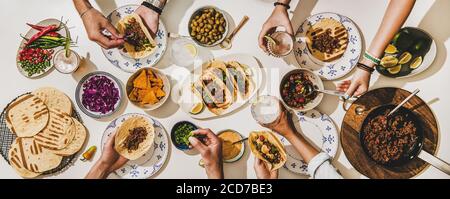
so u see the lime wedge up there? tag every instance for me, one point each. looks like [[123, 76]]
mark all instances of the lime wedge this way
[[197, 108], [395, 70], [391, 49], [405, 58], [389, 61], [416, 62]]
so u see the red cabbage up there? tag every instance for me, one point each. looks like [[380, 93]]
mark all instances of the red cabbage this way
[[100, 95]]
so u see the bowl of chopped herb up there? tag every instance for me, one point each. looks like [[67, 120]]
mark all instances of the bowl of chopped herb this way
[[180, 134]]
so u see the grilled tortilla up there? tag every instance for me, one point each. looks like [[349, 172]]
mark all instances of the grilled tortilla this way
[[77, 142], [27, 116], [59, 132], [138, 41], [26, 154], [54, 98], [267, 147], [124, 136]]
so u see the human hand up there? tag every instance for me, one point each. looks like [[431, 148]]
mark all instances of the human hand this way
[[210, 148], [150, 19], [279, 17], [94, 23], [109, 161], [110, 157], [357, 86], [282, 125], [262, 172]]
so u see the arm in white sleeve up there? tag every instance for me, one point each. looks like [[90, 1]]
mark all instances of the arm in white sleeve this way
[[320, 168]]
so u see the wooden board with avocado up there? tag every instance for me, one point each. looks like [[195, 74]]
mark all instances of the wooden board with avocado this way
[[410, 52]]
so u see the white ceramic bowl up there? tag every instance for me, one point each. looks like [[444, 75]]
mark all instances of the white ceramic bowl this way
[[166, 88], [315, 79]]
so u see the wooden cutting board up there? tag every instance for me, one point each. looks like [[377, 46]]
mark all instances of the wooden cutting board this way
[[351, 126]]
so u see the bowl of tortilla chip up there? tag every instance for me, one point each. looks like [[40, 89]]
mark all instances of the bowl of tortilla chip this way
[[148, 88]]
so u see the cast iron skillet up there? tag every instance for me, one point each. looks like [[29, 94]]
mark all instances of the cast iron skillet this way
[[415, 151]]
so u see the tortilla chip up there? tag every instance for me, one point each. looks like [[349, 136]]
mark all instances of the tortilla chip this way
[[150, 97], [141, 81], [134, 94], [160, 93], [151, 74]]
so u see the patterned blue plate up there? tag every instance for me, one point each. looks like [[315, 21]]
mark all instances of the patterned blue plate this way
[[128, 64], [312, 122], [152, 161], [331, 70]]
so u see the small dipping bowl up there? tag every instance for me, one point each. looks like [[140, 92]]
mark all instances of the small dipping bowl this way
[[239, 155], [173, 136]]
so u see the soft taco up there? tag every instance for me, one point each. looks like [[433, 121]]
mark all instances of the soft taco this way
[[134, 137], [267, 147], [138, 41], [219, 69], [242, 81]]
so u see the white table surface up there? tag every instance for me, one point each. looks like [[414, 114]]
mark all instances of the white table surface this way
[[433, 83]]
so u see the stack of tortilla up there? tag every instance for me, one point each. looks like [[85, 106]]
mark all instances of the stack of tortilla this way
[[45, 131], [222, 84]]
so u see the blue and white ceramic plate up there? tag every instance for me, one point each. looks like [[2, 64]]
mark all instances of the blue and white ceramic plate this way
[[324, 130], [152, 161], [128, 64], [332, 70]]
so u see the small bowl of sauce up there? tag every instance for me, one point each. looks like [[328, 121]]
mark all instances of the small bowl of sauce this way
[[231, 152]]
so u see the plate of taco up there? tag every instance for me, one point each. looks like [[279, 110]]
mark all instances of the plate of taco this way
[[221, 86]]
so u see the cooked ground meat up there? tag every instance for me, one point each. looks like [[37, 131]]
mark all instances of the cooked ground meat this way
[[390, 138], [135, 36], [326, 43], [136, 137]]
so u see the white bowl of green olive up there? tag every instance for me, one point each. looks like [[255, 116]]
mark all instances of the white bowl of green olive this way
[[208, 26]]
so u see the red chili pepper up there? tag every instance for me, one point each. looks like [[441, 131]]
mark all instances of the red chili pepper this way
[[43, 32], [53, 34], [36, 27]]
